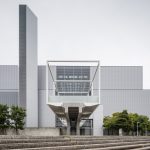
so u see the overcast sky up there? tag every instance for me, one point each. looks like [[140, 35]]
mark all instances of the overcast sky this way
[[116, 32]]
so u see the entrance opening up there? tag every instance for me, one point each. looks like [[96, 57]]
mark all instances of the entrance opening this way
[[73, 116], [72, 91], [86, 126]]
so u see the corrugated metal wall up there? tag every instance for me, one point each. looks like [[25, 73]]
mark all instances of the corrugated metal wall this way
[[9, 84], [122, 88], [46, 115], [42, 77], [9, 77], [137, 101], [22, 56], [121, 77], [113, 99], [9, 98]]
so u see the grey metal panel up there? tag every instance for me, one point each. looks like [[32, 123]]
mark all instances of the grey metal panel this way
[[46, 115], [137, 101], [22, 56], [28, 73], [121, 77], [9, 98], [41, 77], [9, 84], [9, 77]]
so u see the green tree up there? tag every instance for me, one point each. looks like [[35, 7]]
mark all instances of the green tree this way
[[17, 115], [143, 124], [127, 122], [109, 124], [134, 119], [123, 121], [4, 118]]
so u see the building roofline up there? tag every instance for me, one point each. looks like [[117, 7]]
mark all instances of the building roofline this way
[[121, 66], [97, 61]]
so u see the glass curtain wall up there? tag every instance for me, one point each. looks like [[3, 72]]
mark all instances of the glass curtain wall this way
[[73, 80]]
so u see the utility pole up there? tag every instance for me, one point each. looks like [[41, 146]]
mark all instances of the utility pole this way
[[137, 129], [145, 130]]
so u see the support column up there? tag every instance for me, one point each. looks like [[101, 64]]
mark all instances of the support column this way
[[78, 121], [68, 127], [98, 121], [78, 128], [68, 120]]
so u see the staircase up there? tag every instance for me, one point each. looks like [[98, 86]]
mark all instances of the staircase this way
[[74, 143]]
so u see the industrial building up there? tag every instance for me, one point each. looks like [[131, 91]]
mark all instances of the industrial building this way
[[70, 95]]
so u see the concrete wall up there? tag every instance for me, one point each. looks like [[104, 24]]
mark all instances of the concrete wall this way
[[36, 132], [97, 117], [28, 73]]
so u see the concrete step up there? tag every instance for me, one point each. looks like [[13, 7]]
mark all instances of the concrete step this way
[[73, 142], [3, 141], [71, 137], [6, 141], [125, 147], [123, 139], [106, 138], [144, 148], [29, 137], [66, 145], [91, 147]]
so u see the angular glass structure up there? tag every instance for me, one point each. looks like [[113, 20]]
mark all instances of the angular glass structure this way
[[73, 90]]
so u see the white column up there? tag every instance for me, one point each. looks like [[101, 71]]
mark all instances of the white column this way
[[98, 121]]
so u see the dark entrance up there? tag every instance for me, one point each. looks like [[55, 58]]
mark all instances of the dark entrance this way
[[73, 116], [86, 125]]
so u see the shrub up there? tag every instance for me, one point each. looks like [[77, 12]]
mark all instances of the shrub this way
[[4, 118], [17, 115]]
